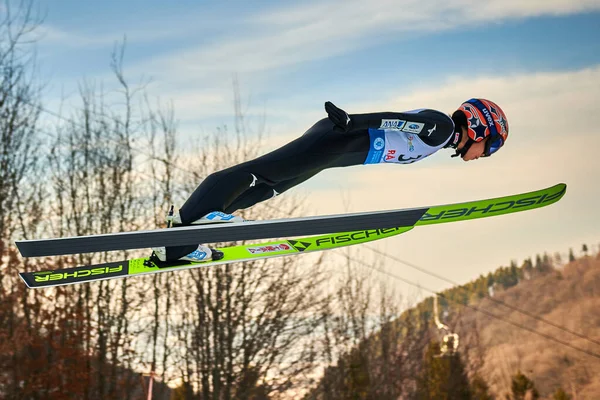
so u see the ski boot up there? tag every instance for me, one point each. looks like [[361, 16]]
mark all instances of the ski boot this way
[[214, 217], [202, 253]]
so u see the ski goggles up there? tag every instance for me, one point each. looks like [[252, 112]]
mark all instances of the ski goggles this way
[[492, 145]]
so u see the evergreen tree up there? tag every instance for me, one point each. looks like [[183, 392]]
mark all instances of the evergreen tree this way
[[490, 279], [357, 379], [514, 271], [538, 263], [527, 265], [547, 262], [560, 394], [557, 259], [480, 389], [527, 269], [442, 378], [584, 249], [521, 386], [571, 255]]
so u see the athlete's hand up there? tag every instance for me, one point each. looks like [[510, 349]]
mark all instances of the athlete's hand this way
[[339, 117]]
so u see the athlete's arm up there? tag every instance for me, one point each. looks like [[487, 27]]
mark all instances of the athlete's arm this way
[[433, 127]]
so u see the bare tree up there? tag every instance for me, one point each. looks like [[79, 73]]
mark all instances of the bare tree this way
[[20, 197], [367, 344], [96, 189], [19, 111], [246, 328]]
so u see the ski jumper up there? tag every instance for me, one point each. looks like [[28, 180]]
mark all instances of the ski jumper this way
[[387, 137]]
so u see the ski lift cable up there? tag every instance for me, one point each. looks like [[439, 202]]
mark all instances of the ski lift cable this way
[[514, 308], [483, 311]]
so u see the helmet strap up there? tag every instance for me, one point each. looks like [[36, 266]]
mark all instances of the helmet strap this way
[[460, 120], [465, 148]]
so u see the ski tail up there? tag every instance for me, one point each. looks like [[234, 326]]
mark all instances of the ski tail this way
[[117, 269], [241, 253]]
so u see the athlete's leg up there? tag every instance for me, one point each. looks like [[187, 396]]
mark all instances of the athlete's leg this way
[[250, 197], [221, 188], [264, 192], [319, 148]]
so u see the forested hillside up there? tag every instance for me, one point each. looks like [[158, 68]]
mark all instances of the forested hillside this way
[[523, 329]]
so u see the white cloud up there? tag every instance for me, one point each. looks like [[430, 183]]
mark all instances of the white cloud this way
[[300, 33], [412, 14], [531, 8], [289, 36], [257, 45], [52, 35], [90, 32]]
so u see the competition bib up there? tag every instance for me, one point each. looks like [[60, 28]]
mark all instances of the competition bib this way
[[398, 146]]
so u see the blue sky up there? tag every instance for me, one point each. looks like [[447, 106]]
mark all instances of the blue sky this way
[[157, 28], [338, 60], [540, 60]]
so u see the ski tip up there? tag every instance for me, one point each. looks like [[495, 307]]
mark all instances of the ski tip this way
[[494, 206], [561, 189], [560, 185]]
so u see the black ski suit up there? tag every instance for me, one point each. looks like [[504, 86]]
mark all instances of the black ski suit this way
[[323, 146]]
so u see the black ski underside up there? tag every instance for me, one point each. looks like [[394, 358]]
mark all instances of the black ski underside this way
[[225, 232]]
